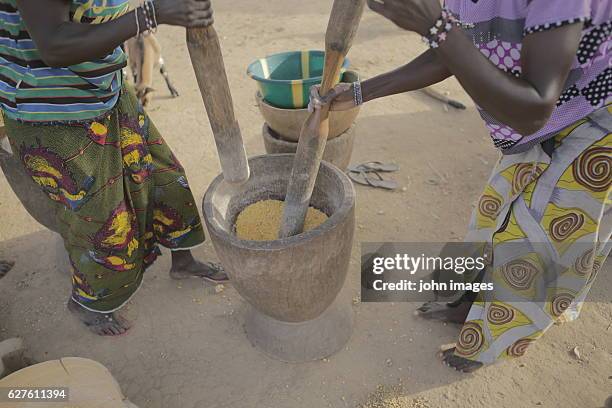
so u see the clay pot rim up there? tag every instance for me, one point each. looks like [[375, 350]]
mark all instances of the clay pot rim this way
[[348, 203], [306, 81], [260, 99], [269, 133]]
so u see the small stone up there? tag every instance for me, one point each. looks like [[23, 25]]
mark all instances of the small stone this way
[[389, 362], [576, 353], [380, 212], [404, 189], [219, 288]]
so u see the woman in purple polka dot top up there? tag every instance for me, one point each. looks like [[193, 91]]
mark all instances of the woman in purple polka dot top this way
[[540, 72]]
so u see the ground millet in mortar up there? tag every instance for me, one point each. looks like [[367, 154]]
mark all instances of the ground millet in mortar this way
[[261, 221]]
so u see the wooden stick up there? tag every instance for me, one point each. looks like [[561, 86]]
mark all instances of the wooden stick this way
[[207, 61], [341, 30], [443, 98]]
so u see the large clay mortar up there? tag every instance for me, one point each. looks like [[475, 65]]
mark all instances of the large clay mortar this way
[[292, 283]]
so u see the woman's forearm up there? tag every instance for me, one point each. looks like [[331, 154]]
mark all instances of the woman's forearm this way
[[74, 43], [524, 103], [62, 43], [71, 43], [423, 71]]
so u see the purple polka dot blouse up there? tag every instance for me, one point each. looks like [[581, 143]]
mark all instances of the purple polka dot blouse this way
[[498, 28]]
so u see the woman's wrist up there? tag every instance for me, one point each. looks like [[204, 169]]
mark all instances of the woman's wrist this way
[[158, 17], [366, 91], [380, 86], [140, 19], [146, 17], [151, 15], [438, 32], [451, 40], [357, 93]]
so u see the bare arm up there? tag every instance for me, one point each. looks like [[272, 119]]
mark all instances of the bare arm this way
[[524, 103], [423, 71], [62, 43]]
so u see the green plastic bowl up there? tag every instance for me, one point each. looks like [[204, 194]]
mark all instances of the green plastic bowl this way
[[285, 79]]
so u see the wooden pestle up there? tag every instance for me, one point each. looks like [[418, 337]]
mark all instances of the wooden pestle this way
[[341, 30], [207, 61]]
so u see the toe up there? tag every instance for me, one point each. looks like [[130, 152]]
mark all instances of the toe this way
[[110, 331], [121, 329], [472, 366], [101, 331], [459, 363], [122, 322], [215, 272], [5, 267], [425, 307]]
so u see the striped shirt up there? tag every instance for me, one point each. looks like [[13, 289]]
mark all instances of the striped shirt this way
[[31, 91]]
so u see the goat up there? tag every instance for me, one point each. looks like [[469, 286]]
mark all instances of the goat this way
[[144, 55]]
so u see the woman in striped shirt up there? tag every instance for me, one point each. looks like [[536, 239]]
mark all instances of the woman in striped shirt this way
[[84, 139]]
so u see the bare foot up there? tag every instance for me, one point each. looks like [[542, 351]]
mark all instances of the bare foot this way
[[459, 363], [446, 312], [184, 266], [5, 267], [102, 324]]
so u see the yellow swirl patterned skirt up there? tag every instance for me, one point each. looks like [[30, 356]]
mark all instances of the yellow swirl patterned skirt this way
[[548, 222]]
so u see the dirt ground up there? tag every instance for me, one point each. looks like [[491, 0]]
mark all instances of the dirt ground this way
[[187, 348]]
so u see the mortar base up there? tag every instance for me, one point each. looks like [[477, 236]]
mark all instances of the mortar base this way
[[303, 341]]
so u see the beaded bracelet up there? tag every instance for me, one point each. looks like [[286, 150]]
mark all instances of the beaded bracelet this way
[[150, 17], [137, 21], [154, 16], [357, 95], [439, 31], [148, 20]]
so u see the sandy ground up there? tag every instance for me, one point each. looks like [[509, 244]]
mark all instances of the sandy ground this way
[[188, 348]]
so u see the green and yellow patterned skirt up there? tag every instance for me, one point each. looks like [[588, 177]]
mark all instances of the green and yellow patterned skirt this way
[[119, 192]]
